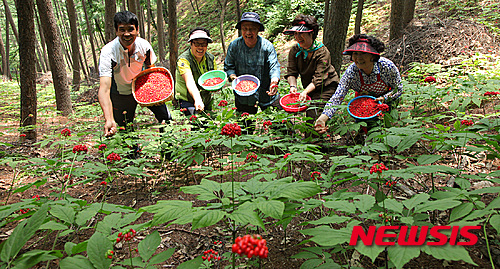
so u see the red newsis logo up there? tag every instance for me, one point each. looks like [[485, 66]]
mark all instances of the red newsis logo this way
[[410, 238]]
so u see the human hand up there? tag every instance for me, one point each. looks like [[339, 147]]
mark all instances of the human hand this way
[[273, 89], [302, 96], [232, 77], [110, 128], [293, 89], [380, 99], [320, 125], [199, 105]]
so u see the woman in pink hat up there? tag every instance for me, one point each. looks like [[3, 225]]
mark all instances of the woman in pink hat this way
[[310, 60], [370, 74]]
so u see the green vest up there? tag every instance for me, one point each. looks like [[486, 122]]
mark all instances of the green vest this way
[[181, 91]]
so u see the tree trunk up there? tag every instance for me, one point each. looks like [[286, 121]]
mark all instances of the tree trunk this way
[[109, 13], [408, 12], [42, 43], [337, 23], [149, 13], [359, 16], [75, 50], [172, 31], [124, 5], [3, 54], [6, 71], [132, 6], [91, 37], [140, 16], [84, 66], [11, 20], [396, 24], [221, 26], [26, 22], [99, 30], [238, 14], [54, 49], [160, 30], [39, 64]]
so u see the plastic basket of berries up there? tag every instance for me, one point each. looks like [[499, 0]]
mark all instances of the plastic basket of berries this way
[[153, 86], [213, 80], [291, 103], [245, 85], [364, 107]]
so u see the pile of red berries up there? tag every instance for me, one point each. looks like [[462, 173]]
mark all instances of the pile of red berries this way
[[364, 107], [65, 132], [222, 103], [80, 148], [246, 86], [378, 168], [467, 122], [231, 130], [153, 87], [383, 107], [127, 236], [315, 175], [114, 157], [212, 81], [250, 245], [491, 93], [251, 156], [102, 146]]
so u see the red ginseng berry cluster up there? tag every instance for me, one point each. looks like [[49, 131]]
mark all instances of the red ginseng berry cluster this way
[[390, 183], [383, 107], [222, 103], [246, 86], [315, 175], [467, 122], [22, 135], [286, 155], [250, 245], [110, 254], [251, 156], [245, 114], [210, 255], [267, 123], [212, 81], [65, 132], [80, 148], [385, 217], [378, 168], [36, 196], [102, 147], [127, 236], [491, 93], [430, 79], [193, 118], [153, 87], [24, 211], [114, 157], [231, 130]]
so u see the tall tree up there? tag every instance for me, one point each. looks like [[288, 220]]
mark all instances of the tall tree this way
[[11, 20], [238, 13], [160, 29], [221, 25], [56, 59], [90, 31], [42, 41], [409, 12], [337, 23], [27, 77], [148, 7], [75, 50], [3, 54], [123, 6], [109, 13], [359, 16], [6, 71], [172, 32], [396, 24], [132, 6]]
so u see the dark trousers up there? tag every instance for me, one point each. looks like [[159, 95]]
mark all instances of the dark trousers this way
[[124, 110]]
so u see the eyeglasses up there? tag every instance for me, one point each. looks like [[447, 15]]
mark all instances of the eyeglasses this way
[[199, 44]]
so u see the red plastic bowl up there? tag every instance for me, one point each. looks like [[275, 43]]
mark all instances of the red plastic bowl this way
[[290, 103]]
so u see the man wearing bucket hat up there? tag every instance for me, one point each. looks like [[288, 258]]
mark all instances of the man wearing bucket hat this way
[[191, 64], [120, 61], [310, 60], [370, 74], [251, 54]]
